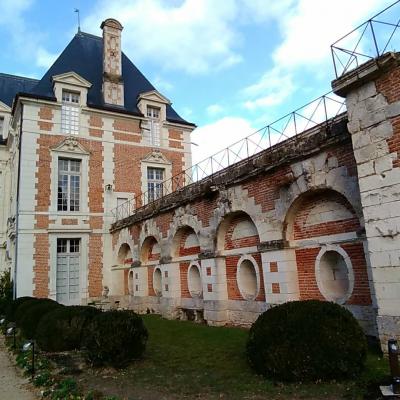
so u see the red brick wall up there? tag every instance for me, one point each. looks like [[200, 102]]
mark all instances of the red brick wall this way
[[127, 170], [41, 258], [95, 122], [96, 183], [183, 269], [150, 271], [389, 85], [95, 265], [45, 113]]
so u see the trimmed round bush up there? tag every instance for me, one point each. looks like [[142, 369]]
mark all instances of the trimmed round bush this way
[[115, 338], [61, 329], [306, 341], [13, 306], [35, 311]]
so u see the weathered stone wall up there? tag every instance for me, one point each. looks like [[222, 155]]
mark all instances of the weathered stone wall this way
[[373, 100], [262, 227]]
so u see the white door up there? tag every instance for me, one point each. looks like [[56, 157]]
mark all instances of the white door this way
[[68, 270]]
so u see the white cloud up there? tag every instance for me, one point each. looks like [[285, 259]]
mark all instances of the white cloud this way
[[44, 58], [216, 136], [195, 36], [308, 27], [272, 89], [186, 113], [311, 27], [192, 35], [214, 109], [161, 84], [13, 20]]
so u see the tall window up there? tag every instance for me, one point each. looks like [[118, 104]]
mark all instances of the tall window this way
[[69, 182], [153, 114], [70, 113], [155, 178]]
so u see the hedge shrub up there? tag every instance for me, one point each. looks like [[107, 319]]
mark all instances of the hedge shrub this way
[[34, 312], [307, 340], [61, 329], [24, 308], [6, 291], [13, 306], [115, 338]]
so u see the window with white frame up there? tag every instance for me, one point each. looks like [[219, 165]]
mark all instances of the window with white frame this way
[[69, 185], [68, 270], [155, 178], [70, 113], [153, 114]]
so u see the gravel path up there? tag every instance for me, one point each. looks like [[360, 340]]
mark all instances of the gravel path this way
[[12, 385]]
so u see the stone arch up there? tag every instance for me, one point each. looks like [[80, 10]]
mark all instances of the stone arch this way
[[149, 250], [185, 217], [237, 200], [236, 230], [319, 212], [124, 254], [322, 172], [324, 230], [185, 242]]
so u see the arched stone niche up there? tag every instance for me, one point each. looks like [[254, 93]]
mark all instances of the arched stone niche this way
[[334, 273], [236, 230], [248, 277], [157, 281], [185, 242], [195, 283], [124, 254], [150, 250]]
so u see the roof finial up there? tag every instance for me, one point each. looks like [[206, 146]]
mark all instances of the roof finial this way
[[79, 19]]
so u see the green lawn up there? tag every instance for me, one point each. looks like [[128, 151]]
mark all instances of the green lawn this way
[[185, 360]]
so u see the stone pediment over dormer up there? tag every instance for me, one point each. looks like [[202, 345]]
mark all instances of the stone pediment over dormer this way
[[71, 78], [153, 99], [153, 95], [71, 145], [156, 157], [4, 107]]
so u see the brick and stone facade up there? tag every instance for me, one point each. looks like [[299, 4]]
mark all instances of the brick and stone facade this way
[[315, 217], [110, 143]]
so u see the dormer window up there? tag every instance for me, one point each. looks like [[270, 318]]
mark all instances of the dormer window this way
[[70, 113], [153, 114]]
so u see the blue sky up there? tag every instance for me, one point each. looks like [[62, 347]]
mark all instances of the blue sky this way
[[230, 66]]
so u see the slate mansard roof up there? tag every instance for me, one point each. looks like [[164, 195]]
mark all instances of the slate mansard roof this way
[[84, 55], [10, 85]]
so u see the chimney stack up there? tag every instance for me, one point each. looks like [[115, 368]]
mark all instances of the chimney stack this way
[[113, 86]]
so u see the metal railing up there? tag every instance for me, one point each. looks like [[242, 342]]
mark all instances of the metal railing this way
[[316, 112], [378, 35]]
